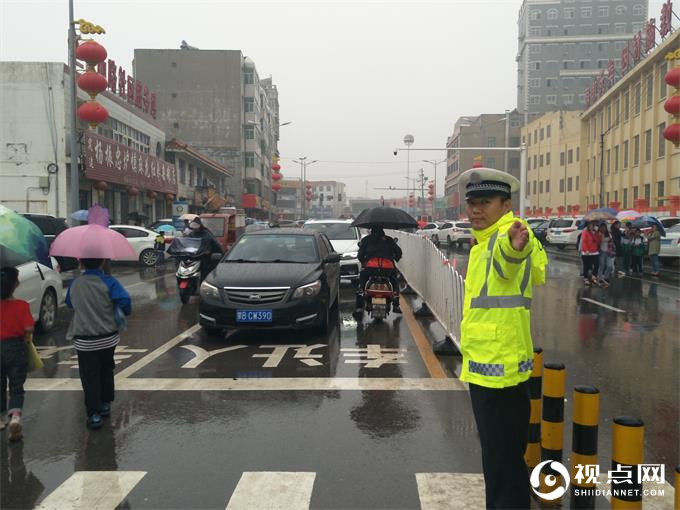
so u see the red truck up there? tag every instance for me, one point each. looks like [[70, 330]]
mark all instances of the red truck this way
[[226, 225]]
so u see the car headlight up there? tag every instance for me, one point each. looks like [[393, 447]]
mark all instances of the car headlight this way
[[309, 290], [209, 291], [350, 255]]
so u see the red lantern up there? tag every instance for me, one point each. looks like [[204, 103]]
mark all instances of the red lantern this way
[[309, 186], [672, 134], [151, 195], [430, 198], [100, 186], [673, 77], [93, 113], [276, 177], [91, 52], [672, 105], [276, 167], [132, 191], [92, 82], [276, 186], [309, 197]]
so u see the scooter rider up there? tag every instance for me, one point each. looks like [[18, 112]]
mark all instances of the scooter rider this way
[[382, 250], [209, 245]]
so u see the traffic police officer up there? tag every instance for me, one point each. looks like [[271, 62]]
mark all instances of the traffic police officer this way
[[496, 334]]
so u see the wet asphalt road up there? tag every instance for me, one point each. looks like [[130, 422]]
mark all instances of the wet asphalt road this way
[[192, 415]]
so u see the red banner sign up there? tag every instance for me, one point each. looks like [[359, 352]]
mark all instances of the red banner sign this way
[[109, 161]]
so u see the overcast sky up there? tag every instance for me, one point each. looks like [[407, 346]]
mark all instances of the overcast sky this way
[[353, 77]]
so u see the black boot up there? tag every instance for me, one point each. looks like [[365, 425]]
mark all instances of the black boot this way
[[395, 305]]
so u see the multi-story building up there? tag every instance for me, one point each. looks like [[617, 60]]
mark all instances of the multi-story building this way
[[121, 165], [328, 200], [563, 44], [289, 199], [553, 162], [486, 130], [216, 102], [625, 160]]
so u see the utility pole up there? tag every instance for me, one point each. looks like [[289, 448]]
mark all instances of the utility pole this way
[[421, 180], [73, 125], [506, 158]]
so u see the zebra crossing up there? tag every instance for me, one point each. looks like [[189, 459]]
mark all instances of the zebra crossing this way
[[260, 490]]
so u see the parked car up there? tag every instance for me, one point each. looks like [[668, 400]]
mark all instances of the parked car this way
[[670, 245], [540, 230], [51, 227], [42, 288], [156, 224], [142, 241], [456, 232], [345, 240], [275, 279], [563, 232], [431, 231], [535, 221]]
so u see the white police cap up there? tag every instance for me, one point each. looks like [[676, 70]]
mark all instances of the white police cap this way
[[483, 181]]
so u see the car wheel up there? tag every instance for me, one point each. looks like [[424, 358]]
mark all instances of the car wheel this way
[[323, 325], [48, 311], [213, 332], [435, 239], [148, 257], [448, 240]]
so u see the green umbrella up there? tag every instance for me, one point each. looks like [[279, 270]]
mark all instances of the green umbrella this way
[[22, 237]]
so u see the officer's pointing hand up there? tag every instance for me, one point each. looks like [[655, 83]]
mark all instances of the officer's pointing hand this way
[[519, 235]]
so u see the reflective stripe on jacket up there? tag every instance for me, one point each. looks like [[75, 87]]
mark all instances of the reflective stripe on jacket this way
[[496, 329]]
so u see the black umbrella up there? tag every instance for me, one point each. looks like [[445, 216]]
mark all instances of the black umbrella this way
[[386, 217]]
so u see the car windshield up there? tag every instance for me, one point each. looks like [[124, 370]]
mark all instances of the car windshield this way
[[560, 223], [215, 225], [300, 249], [334, 231]]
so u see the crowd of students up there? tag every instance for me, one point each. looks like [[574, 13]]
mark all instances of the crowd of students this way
[[607, 251]]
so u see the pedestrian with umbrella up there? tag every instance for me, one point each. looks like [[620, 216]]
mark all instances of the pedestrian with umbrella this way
[[639, 248], [98, 301], [654, 248]]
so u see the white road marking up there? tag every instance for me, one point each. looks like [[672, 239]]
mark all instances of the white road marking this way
[[102, 490], [258, 384], [200, 354], [603, 305], [157, 353], [273, 490], [451, 491]]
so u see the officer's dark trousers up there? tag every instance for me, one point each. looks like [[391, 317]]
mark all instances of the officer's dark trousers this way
[[502, 417]]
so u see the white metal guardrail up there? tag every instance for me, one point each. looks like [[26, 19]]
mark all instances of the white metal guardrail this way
[[431, 276]]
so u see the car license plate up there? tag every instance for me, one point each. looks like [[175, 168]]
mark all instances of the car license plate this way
[[379, 301], [253, 315]]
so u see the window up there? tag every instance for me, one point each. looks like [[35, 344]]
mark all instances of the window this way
[[182, 172], [250, 160], [626, 106], [661, 151], [616, 196], [535, 135], [535, 15], [663, 68], [528, 188], [638, 10], [650, 90], [568, 99], [648, 145], [534, 48], [562, 160], [616, 159], [586, 12], [636, 150], [551, 98], [609, 115], [534, 187], [534, 99], [249, 104], [570, 154], [547, 131], [609, 161], [603, 28], [540, 187], [660, 192], [534, 83], [619, 45], [191, 176], [584, 64], [542, 132], [552, 13], [603, 11], [540, 161], [535, 32], [620, 9], [529, 137], [491, 141], [248, 75], [617, 107], [625, 198], [578, 153], [534, 66], [250, 132], [562, 185], [577, 179], [625, 154], [547, 186], [547, 158], [619, 28], [535, 161], [491, 162], [528, 164], [569, 13], [635, 193], [569, 183], [648, 191]]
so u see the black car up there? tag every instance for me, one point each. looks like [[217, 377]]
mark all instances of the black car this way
[[273, 279], [540, 231]]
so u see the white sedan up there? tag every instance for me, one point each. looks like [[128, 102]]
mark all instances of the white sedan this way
[[142, 240], [430, 231], [670, 245], [456, 232], [41, 287]]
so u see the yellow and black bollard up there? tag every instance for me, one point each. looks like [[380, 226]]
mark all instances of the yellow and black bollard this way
[[533, 454], [552, 427], [586, 414], [627, 453]]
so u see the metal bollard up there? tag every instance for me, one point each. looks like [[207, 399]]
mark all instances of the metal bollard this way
[[627, 453], [677, 487], [586, 414], [552, 426], [532, 456]]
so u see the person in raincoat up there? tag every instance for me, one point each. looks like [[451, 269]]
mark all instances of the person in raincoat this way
[[505, 263]]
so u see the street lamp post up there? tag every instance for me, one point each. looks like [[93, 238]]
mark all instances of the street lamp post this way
[[434, 163], [73, 125], [408, 141]]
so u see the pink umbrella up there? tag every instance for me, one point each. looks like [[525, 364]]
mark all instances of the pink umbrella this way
[[92, 242]]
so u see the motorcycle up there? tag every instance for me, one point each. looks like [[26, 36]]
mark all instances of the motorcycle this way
[[188, 252], [379, 293]]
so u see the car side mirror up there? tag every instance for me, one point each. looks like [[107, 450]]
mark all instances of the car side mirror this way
[[216, 257], [332, 258]]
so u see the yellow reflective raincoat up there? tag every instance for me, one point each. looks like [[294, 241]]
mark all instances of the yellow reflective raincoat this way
[[496, 328]]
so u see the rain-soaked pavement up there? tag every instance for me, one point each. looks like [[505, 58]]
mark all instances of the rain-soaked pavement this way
[[363, 417]]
